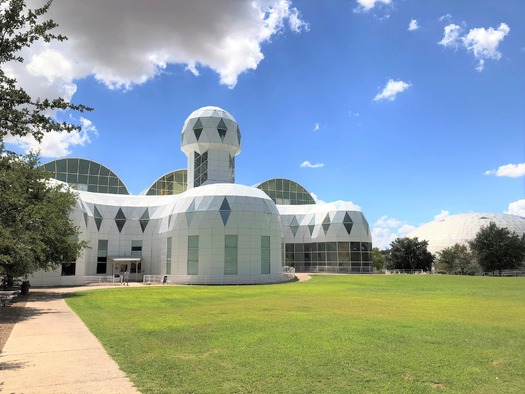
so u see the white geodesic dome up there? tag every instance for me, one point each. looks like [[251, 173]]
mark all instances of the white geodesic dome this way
[[462, 228]]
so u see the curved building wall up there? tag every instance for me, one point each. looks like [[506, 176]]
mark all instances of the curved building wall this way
[[332, 237], [237, 230], [225, 234], [462, 228]]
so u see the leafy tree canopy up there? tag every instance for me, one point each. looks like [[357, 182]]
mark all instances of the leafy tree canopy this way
[[456, 259], [378, 259], [409, 254], [20, 114], [497, 248], [35, 229]]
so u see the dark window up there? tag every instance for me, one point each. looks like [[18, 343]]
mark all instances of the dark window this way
[[101, 268], [69, 269]]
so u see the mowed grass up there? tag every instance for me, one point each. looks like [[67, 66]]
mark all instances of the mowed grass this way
[[331, 334]]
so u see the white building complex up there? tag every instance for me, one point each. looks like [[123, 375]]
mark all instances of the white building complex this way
[[197, 226]]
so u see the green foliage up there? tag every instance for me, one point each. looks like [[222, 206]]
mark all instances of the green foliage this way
[[35, 230], [409, 254], [497, 248], [20, 114], [456, 259], [331, 334], [378, 259]]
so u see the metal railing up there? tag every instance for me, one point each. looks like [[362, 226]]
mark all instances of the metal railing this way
[[410, 272], [102, 279]]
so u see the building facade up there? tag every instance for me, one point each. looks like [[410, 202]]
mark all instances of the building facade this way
[[197, 226]]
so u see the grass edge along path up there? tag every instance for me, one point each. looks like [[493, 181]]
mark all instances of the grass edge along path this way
[[332, 334]]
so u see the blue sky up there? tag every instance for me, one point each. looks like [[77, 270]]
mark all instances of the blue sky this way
[[410, 109]]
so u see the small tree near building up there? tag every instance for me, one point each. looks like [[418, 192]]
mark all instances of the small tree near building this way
[[409, 254], [497, 248], [378, 259], [35, 230], [456, 259]]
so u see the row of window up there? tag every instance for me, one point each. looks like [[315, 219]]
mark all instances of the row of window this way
[[175, 182], [341, 254], [86, 175], [200, 172], [329, 246], [231, 262]]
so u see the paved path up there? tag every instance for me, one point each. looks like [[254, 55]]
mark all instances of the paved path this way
[[50, 350]]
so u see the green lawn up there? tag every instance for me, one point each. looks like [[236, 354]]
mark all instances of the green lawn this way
[[332, 334]]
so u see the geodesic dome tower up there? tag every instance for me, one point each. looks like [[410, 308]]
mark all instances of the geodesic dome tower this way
[[210, 139]]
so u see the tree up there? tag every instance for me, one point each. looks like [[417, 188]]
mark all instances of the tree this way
[[378, 259], [20, 114], [497, 248], [409, 254], [35, 229], [456, 259]]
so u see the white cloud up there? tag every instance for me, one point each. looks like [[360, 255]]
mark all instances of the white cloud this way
[[413, 25], [316, 199], [132, 44], [353, 114], [367, 5], [385, 221], [451, 36], [509, 170], [446, 17], [317, 126], [483, 43], [307, 164], [442, 215], [387, 229], [517, 208], [56, 144], [139, 42], [296, 23], [391, 89]]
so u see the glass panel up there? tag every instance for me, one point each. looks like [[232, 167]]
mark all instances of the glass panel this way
[[83, 166], [231, 241], [265, 241], [61, 166], [343, 246], [72, 166], [193, 241]]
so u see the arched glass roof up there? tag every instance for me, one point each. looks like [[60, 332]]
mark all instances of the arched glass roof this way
[[86, 175], [286, 192], [174, 182]]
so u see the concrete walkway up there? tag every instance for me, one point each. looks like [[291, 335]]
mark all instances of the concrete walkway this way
[[50, 350]]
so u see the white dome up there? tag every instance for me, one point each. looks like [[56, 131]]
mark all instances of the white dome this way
[[462, 228], [210, 110], [210, 128]]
